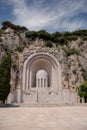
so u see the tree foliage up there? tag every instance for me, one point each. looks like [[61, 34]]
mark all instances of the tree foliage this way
[[6, 24], [72, 51], [5, 66], [57, 37], [49, 44], [82, 90]]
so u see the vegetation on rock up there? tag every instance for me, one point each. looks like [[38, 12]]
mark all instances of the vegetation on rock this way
[[72, 51], [59, 38], [49, 44]]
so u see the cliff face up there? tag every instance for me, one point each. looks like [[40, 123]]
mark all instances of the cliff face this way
[[72, 56]]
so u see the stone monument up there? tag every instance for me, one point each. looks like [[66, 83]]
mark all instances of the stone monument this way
[[40, 77]]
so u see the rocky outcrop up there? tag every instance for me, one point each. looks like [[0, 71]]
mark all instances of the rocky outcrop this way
[[74, 65]]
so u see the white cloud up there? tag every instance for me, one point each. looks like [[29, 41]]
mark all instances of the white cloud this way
[[56, 15]]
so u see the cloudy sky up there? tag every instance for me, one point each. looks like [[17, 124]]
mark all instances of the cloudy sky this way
[[51, 15]]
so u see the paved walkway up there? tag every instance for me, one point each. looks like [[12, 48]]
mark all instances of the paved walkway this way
[[44, 118]]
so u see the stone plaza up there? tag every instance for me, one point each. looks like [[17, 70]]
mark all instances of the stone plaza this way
[[44, 118]]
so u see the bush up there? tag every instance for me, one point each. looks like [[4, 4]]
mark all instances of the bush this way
[[80, 33], [66, 34], [20, 48], [1, 32], [72, 38], [81, 42], [32, 35], [44, 35], [14, 66], [49, 44], [82, 91], [6, 48], [84, 75], [74, 71], [62, 40], [72, 51]]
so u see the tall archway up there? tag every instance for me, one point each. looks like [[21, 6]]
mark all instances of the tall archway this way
[[41, 61]]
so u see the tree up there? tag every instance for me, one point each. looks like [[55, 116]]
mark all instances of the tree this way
[[82, 91], [5, 66], [44, 35], [49, 44], [6, 24]]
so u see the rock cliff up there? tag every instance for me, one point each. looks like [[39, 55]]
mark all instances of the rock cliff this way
[[71, 56]]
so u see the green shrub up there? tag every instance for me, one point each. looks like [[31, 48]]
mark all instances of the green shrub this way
[[62, 40], [80, 33], [44, 35], [84, 75], [72, 51], [66, 34], [20, 48], [83, 70], [1, 32], [6, 48], [74, 71], [32, 35], [72, 38], [81, 42], [14, 66], [49, 44], [82, 90]]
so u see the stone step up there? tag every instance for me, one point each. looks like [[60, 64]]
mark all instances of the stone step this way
[[51, 104], [44, 104]]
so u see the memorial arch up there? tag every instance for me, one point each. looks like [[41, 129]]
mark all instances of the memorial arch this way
[[44, 64]]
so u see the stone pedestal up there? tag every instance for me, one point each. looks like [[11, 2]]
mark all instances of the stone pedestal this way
[[10, 98], [18, 95]]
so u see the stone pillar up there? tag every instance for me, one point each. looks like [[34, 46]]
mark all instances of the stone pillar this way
[[30, 80], [42, 82], [36, 83], [83, 100], [78, 99], [46, 83], [10, 98], [18, 95]]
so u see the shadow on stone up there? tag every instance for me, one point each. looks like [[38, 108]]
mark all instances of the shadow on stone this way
[[8, 105]]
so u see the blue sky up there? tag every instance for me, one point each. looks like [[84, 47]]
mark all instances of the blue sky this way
[[51, 15]]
